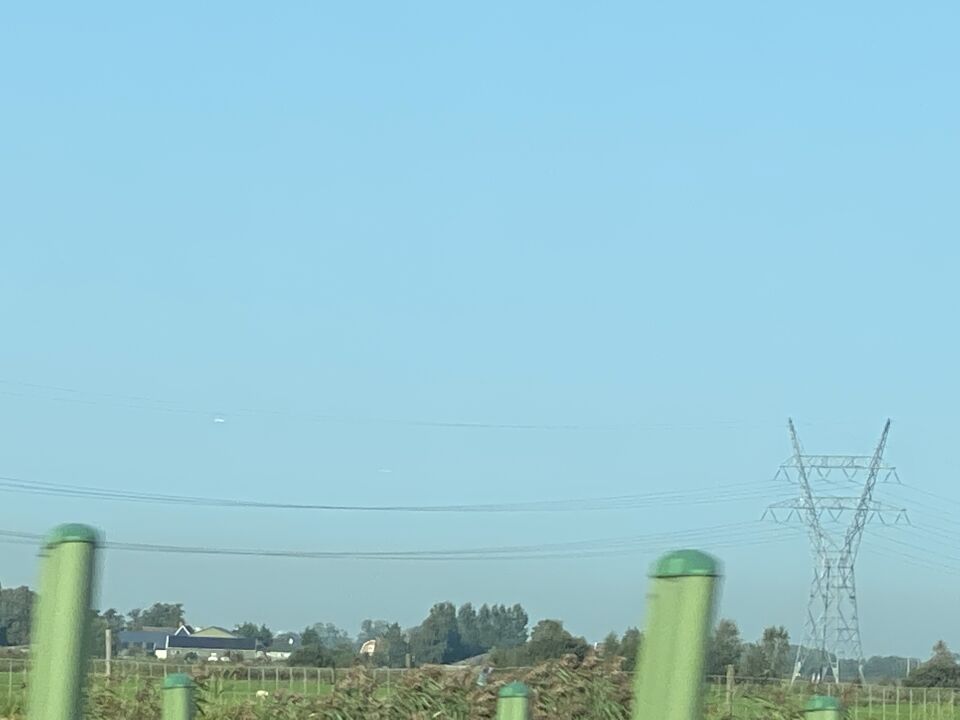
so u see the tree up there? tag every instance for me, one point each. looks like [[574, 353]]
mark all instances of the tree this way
[[469, 629], [769, 658], [630, 647], [776, 650], [514, 627], [133, 619], [941, 670], [725, 647], [16, 607], [501, 627], [113, 619], [99, 624], [393, 647], [262, 634], [485, 630], [550, 640], [437, 639], [371, 630], [942, 654], [166, 615], [611, 645], [328, 635], [309, 637]]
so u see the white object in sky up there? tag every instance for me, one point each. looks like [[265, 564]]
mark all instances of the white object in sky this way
[[219, 419]]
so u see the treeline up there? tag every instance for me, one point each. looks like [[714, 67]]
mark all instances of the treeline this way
[[450, 635], [447, 635], [772, 656], [493, 634]]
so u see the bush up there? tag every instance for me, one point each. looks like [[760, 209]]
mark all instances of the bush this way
[[319, 656], [941, 670]]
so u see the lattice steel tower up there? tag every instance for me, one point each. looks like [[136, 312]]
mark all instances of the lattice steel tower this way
[[832, 627]]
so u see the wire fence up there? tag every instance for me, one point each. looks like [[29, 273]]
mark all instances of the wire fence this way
[[243, 680], [746, 698]]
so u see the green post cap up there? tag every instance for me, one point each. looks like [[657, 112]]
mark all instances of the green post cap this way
[[514, 690], [822, 702], [72, 533], [177, 680], [686, 563]]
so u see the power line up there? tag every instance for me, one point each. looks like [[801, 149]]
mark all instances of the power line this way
[[737, 534], [732, 492], [140, 402], [926, 561]]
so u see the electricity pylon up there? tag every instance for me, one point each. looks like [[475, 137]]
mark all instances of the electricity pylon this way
[[832, 627]]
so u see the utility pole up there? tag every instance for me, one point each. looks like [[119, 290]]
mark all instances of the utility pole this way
[[832, 626]]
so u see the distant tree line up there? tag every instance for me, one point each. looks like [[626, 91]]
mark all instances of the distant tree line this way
[[499, 632], [773, 656], [446, 635]]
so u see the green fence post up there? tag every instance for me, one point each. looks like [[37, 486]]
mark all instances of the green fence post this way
[[61, 623], [822, 707], [513, 702], [178, 697], [40, 632], [669, 680]]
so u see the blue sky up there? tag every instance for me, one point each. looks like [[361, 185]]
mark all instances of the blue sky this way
[[683, 222]]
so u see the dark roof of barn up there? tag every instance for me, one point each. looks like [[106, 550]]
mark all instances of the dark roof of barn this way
[[142, 636], [188, 642]]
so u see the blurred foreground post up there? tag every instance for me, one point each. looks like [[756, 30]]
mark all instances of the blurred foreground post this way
[[61, 623], [178, 697], [513, 702], [669, 680]]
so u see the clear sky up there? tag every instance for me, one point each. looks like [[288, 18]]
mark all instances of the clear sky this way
[[671, 227]]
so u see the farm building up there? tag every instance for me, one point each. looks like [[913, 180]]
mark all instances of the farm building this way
[[209, 644], [149, 639]]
